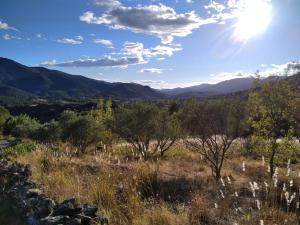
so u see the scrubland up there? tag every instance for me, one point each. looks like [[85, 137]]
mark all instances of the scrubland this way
[[177, 189]]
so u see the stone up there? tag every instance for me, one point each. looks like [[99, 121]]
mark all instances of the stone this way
[[90, 211], [54, 220]]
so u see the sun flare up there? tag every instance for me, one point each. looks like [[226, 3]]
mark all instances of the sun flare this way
[[253, 18]]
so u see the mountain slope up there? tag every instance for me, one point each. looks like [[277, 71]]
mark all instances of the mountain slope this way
[[202, 90], [17, 79]]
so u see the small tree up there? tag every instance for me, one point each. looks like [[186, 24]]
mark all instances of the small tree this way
[[84, 132], [21, 126], [168, 131], [4, 115], [49, 133], [270, 115], [212, 126], [66, 119], [136, 124], [147, 128]]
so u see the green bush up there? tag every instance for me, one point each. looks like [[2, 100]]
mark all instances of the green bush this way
[[20, 149], [21, 126]]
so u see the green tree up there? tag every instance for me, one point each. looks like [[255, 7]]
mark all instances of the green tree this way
[[66, 119], [212, 126], [270, 115], [84, 132], [168, 131], [21, 126], [4, 115], [147, 128], [49, 133]]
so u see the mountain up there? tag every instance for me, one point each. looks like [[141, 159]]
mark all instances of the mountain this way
[[225, 87], [203, 90], [22, 81]]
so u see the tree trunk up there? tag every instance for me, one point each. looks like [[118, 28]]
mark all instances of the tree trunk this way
[[217, 173], [271, 164]]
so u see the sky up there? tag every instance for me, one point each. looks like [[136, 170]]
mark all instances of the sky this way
[[163, 44]]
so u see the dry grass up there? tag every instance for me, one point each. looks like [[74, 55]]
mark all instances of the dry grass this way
[[177, 190]]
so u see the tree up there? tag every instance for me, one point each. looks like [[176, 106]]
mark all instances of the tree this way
[[4, 115], [84, 132], [103, 115], [21, 126], [66, 119], [270, 115], [212, 126], [168, 131], [49, 132], [147, 128]]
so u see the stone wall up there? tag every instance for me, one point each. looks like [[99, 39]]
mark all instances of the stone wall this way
[[37, 208]]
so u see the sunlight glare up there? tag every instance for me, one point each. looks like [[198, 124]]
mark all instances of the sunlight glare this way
[[253, 18]]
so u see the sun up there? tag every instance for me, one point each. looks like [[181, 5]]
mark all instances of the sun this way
[[254, 16]]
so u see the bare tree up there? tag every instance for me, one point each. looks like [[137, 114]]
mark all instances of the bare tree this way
[[212, 127]]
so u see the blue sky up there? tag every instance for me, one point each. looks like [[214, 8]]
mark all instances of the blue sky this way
[[159, 43]]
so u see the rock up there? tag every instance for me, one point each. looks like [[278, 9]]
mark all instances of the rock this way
[[75, 221], [54, 220], [36, 207], [68, 207], [90, 211]]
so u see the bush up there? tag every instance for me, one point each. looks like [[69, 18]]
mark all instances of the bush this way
[[21, 126], [20, 149]]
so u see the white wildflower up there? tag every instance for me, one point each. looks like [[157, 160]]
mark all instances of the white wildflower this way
[[243, 166], [258, 204]]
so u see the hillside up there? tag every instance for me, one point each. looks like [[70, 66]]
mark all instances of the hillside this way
[[19, 80]]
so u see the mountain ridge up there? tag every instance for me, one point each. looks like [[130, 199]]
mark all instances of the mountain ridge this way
[[43, 82], [21, 82]]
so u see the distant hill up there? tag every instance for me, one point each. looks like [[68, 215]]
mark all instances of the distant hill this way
[[237, 85], [19, 80], [20, 83], [202, 90]]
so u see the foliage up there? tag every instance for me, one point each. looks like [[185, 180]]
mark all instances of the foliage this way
[[20, 149], [102, 115], [270, 115], [4, 115], [146, 127], [84, 132], [21, 126], [212, 127], [49, 132]]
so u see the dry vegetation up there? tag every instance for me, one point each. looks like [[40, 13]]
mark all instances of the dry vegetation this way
[[177, 190]]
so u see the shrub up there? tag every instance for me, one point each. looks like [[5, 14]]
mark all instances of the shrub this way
[[20, 149], [21, 126]]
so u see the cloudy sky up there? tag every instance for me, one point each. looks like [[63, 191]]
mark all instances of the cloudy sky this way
[[161, 43]]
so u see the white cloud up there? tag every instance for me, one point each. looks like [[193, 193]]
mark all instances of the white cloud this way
[[8, 37], [151, 70], [156, 20], [133, 53], [161, 84], [70, 41], [104, 42], [107, 61], [138, 49], [79, 37], [286, 69], [218, 7], [222, 76], [107, 3], [229, 9], [5, 26], [39, 35]]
